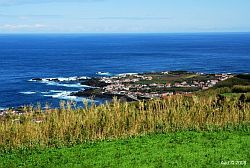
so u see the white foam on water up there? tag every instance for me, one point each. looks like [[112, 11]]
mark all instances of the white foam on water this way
[[65, 95], [83, 77], [52, 91], [61, 79], [86, 86], [104, 73], [70, 85], [28, 92], [74, 78], [52, 83], [56, 91], [45, 92], [48, 79]]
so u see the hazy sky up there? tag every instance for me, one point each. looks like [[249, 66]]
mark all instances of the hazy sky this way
[[107, 16]]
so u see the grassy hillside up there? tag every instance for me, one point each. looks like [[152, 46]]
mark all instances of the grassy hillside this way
[[242, 79], [234, 87], [179, 149]]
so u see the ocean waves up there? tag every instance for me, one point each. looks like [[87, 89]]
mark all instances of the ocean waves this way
[[77, 85], [60, 79], [28, 92], [57, 94], [60, 87], [62, 95], [104, 74], [70, 82], [65, 95]]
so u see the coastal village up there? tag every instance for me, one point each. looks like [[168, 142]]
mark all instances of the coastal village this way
[[152, 85], [140, 86], [133, 86]]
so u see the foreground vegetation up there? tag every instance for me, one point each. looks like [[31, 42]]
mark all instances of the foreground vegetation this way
[[205, 129], [67, 126], [179, 149]]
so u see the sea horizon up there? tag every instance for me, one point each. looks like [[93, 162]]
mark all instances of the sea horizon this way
[[124, 33]]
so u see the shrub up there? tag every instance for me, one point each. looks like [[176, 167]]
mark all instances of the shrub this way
[[240, 89]]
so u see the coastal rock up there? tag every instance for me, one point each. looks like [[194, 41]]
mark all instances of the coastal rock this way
[[94, 82], [87, 93], [36, 79], [97, 92]]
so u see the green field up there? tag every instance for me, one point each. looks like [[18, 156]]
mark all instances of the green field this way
[[179, 149]]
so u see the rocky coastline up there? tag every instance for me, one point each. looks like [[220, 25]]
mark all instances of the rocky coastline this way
[[134, 87]]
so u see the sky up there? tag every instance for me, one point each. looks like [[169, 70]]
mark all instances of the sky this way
[[124, 16]]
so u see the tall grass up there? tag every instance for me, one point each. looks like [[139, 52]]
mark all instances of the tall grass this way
[[70, 125]]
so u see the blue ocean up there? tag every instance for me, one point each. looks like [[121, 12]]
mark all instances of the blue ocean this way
[[27, 56]]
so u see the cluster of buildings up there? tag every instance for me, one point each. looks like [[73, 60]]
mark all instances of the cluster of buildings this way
[[125, 78], [204, 84], [131, 86], [17, 111]]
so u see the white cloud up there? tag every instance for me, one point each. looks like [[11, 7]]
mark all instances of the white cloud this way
[[21, 2], [30, 16], [21, 26], [127, 18]]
